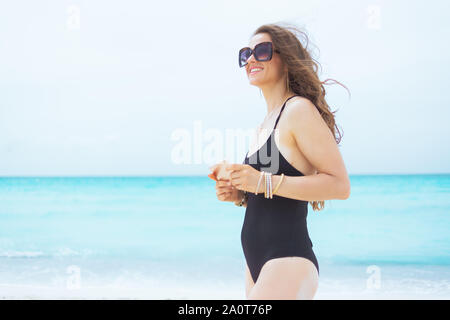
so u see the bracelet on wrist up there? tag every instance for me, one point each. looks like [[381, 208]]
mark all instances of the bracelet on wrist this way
[[268, 192], [243, 200], [278, 184], [259, 182]]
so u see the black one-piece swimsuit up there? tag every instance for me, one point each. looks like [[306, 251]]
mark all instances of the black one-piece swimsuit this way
[[274, 228]]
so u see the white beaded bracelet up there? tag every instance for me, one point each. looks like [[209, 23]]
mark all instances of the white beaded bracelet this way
[[270, 183], [259, 182], [268, 176]]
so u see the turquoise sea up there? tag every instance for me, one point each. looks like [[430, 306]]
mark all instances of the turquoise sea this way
[[170, 238]]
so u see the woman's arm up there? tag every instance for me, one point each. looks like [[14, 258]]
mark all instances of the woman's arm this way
[[315, 140], [312, 187]]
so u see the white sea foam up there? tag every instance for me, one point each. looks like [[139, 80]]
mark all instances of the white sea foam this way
[[21, 254], [157, 289], [59, 252], [134, 281], [148, 289], [68, 252]]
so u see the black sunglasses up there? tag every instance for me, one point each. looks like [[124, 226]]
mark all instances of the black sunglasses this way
[[262, 52]]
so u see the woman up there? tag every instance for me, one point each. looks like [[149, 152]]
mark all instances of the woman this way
[[295, 160]]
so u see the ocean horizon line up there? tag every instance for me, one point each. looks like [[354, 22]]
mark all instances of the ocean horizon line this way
[[200, 175]]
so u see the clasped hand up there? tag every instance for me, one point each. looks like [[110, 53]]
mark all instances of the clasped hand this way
[[243, 176]]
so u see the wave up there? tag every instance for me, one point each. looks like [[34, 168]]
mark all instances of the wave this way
[[60, 252], [21, 254]]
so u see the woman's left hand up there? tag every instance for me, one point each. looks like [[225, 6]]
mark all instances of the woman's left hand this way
[[243, 176]]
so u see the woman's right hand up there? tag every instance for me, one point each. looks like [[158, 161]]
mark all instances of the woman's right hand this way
[[226, 192]]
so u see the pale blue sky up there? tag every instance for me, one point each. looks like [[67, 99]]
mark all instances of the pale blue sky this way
[[103, 94]]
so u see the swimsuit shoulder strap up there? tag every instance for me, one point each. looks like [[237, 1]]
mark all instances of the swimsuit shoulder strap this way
[[282, 108]]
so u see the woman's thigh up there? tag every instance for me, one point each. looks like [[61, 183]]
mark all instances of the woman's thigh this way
[[248, 281], [286, 278]]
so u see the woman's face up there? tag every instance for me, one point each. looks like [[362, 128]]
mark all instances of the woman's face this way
[[272, 70]]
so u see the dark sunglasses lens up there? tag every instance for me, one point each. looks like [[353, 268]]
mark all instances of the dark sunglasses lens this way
[[243, 57], [263, 51]]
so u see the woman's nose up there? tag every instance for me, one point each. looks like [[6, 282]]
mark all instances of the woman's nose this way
[[251, 58]]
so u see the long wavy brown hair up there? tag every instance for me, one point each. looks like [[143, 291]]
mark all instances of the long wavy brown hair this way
[[302, 77]]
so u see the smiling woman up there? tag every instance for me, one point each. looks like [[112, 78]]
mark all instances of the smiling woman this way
[[295, 164], [293, 65]]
